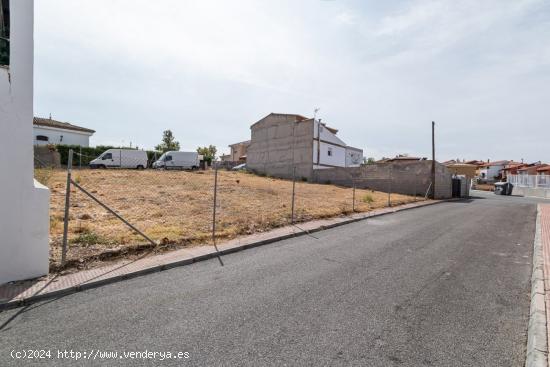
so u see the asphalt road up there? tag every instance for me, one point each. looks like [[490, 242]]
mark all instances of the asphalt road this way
[[445, 285]]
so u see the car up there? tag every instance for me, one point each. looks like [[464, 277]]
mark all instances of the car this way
[[240, 167]]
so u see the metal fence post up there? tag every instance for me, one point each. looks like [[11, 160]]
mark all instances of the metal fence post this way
[[293, 193], [389, 184], [415, 186], [353, 203], [214, 211], [67, 206]]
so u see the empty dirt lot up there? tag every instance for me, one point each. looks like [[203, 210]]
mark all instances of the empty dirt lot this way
[[174, 208]]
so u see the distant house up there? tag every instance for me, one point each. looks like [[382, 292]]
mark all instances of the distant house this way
[[238, 152], [491, 171], [48, 131], [281, 143], [462, 169], [543, 169], [530, 169]]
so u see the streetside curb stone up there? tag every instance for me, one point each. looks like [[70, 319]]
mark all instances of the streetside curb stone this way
[[537, 342], [5, 305]]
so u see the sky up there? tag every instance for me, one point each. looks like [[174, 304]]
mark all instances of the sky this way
[[380, 71]]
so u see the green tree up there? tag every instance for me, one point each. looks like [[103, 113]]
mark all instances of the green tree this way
[[168, 142], [369, 160], [208, 152]]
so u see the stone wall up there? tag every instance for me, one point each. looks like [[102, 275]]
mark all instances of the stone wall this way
[[44, 157], [408, 178]]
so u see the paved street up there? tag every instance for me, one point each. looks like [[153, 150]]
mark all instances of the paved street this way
[[445, 285]]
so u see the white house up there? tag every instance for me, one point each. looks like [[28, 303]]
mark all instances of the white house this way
[[330, 151], [48, 131], [24, 203], [490, 171]]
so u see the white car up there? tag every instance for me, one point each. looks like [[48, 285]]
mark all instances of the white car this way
[[178, 160], [121, 158]]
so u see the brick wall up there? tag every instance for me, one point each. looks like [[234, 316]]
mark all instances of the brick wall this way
[[408, 178]]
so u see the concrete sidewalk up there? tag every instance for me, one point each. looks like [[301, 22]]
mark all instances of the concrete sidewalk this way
[[21, 293]]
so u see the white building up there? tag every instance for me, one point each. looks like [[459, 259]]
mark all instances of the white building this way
[[490, 171], [24, 203], [48, 131], [330, 151], [286, 145]]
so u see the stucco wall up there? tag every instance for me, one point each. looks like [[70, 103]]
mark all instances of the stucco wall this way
[[404, 178], [278, 143], [57, 136], [24, 203]]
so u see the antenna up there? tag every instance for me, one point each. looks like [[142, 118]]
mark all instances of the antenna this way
[[315, 110]]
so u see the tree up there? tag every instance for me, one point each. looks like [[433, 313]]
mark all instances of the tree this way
[[209, 152], [168, 142], [369, 160]]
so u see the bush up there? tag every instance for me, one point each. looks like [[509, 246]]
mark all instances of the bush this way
[[368, 199]]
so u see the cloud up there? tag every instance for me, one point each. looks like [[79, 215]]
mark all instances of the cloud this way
[[379, 71]]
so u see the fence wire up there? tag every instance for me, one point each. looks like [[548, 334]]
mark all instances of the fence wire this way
[[115, 212]]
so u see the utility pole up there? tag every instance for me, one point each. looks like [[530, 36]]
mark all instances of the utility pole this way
[[433, 160]]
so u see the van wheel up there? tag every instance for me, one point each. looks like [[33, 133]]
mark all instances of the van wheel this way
[[140, 167], [101, 166], [194, 168]]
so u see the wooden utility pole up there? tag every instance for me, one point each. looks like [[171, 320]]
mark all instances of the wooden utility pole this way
[[433, 160]]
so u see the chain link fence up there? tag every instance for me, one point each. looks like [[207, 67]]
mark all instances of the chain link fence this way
[[102, 214]]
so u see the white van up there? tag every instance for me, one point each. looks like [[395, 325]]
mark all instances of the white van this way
[[178, 160], [121, 158]]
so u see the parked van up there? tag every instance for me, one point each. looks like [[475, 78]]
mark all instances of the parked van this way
[[121, 158], [178, 160]]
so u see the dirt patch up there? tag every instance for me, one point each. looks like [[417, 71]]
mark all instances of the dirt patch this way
[[174, 208]]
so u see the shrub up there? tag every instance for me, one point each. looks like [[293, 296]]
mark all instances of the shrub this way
[[368, 199]]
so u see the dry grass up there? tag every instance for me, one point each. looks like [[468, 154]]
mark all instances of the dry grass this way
[[175, 208]]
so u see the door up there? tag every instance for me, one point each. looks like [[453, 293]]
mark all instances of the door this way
[[108, 160]]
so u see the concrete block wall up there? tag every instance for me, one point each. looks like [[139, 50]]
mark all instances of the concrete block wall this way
[[407, 178], [278, 143], [44, 157]]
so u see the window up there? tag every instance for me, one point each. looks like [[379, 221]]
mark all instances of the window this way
[[168, 158], [4, 32], [107, 156], [329, 152], [42, 138]]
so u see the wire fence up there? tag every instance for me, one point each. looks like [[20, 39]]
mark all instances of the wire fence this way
[[98, 214]]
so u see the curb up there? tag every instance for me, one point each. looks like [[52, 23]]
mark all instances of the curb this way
[[169, 265], [537, 337]]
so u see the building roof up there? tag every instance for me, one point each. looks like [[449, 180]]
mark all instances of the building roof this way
[[239, 143], [495, 163], [38, 121], [543, 168]]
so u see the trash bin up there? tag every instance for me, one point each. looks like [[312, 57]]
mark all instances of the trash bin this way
[[509, 188], [500, 188]]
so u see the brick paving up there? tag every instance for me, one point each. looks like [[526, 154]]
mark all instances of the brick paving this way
[[18, 293]]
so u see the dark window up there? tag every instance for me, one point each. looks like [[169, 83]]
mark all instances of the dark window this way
[[4, 32], [168, 158], [42, 138], [330, 152], [107, 156]]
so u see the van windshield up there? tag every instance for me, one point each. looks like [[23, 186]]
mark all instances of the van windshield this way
[[162, 157]]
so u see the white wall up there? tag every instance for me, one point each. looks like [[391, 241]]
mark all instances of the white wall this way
[[354, 158], [338, 157], [60, 136], [326, 135], [24, 203]]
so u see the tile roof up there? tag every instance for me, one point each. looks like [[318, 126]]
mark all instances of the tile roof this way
[[38, 121]]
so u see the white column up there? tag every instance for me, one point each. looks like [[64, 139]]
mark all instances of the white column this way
[[24, 203]]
